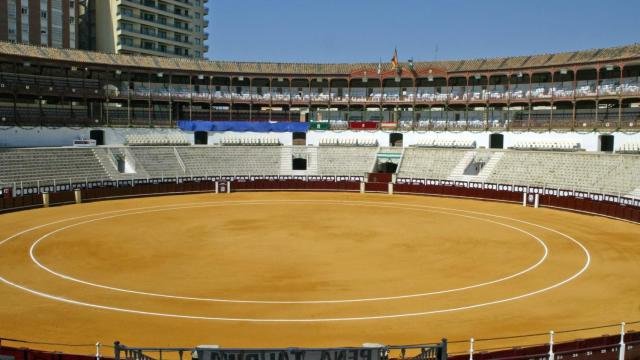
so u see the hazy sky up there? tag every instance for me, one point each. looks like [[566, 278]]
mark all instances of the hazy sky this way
[[367, 30]]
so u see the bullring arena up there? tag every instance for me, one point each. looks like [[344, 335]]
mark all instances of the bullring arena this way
[[153, 208], [313, 269]]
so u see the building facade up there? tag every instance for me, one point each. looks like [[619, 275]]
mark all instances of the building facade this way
[[171, 28], [594, 90], [51, 23]]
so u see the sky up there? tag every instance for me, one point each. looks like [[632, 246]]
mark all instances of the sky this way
[[338, 31]]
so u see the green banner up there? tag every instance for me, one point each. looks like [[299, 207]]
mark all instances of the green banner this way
[[319, 125]]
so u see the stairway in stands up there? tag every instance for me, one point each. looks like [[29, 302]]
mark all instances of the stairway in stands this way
[[106, 158], [312, 160], [286, 154], [109, 166], [488, 168], [458, 173]]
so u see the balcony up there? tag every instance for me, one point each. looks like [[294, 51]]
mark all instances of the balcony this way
[[151, 35], [164, 10], [138, 18]]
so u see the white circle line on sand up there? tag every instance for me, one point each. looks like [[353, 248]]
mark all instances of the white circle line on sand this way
[[384, 298], [309, 320]]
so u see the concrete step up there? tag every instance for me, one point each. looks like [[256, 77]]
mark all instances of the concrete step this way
[[488, 168], [457, 174], [286, 154]]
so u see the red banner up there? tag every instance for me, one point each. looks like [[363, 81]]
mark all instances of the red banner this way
[[363, 125]]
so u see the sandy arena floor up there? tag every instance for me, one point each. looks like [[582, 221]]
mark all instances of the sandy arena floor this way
[[309, 269]]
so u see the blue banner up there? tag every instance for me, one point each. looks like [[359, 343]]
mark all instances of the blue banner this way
[[242, 126]]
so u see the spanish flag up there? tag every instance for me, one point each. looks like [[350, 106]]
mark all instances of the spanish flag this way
[[394, 59]]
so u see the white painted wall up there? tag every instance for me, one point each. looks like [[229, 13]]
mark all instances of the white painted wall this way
[[40, 137]]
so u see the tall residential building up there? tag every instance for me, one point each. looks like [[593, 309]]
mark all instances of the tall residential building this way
[[152, 27], [41, 22]]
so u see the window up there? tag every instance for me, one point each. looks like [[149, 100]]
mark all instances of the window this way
[[127, 12], [197, 15], [198, 29], [148, 17], [71, 4], [197, 41], [127, 26], [25, 10], [126, 41], [43, 14]]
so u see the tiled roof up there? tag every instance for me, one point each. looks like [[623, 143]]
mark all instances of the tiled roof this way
[[231, 67]]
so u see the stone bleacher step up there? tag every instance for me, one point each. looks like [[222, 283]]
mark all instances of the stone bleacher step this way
[[286, 154], [457, 173], [488, 168], [635, 193], [312, 160]]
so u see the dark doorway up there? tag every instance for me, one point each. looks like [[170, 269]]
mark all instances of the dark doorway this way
[[387, 167], [395, 139], [200, 138], [299, 164], [496, 141], [98, 136], [605, 143], [299, 138]]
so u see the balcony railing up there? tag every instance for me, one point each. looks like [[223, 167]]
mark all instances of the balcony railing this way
[[158, 8], [184, 27]]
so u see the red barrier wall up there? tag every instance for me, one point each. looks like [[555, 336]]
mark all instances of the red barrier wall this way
[[380, 177], [606, 208], [601, 348]]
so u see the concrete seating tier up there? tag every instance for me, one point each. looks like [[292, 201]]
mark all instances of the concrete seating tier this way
[[44, 166], [346, 160], [418, 162]]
